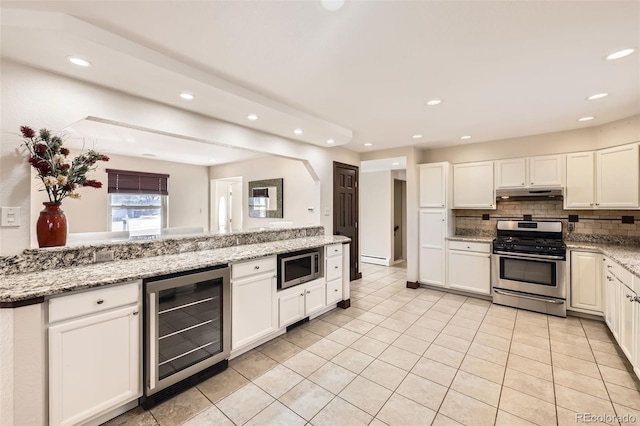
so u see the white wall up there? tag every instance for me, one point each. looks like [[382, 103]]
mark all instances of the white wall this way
[[300, 190], [188, 187], [611, 134], [41, 99], [376, 214]]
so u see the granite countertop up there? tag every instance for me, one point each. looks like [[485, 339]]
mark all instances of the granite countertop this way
[[627, 256], [21, 287], [471, 238]]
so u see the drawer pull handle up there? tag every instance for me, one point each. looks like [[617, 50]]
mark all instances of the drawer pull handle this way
[[609, 266], [335, 267], [468, 247], [335, 289], [256, 267], [100, 302], [136, 313], [301, 294]]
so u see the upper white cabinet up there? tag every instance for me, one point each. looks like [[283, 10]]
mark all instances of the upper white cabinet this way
[[605, 179], [544, 171], [473, 186], [511, 173], [434, 179], [617, 177]]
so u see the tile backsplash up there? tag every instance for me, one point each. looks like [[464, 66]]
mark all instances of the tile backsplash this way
[[592, 225]]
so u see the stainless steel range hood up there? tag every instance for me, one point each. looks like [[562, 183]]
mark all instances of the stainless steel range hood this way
[[523, 194]]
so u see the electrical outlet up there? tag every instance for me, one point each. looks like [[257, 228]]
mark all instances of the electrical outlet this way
[[103, 256], [10, 216], [571, 226]]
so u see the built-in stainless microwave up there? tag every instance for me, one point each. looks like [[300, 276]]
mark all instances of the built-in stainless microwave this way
[[300, 267]]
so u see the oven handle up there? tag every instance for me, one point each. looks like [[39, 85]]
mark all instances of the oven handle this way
[[524, 256], [523, 296]]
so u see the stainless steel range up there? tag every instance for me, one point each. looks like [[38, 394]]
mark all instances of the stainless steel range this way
[[529, 266]]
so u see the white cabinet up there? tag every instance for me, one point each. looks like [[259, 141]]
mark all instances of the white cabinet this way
[[301, 301], [628, 321], [617, 172], [545, 171], [94, 353], [511, 173], [611, 300], [605, 179], [473, 186], [253, 310], [433, 229], [334, 271], [469, 267], [580, 189], [586, 281], [532, 172], [434, 178]]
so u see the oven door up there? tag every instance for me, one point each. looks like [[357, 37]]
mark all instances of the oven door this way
[[534, 274]]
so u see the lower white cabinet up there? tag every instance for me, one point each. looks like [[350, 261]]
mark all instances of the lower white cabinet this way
[[94, 357], [586, 281], [334, 291], [301, 301], [469, 267], [611, 300], [253, 310], [433, 230]]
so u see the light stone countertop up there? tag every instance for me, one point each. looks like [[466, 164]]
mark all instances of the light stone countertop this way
[[471, 238], [626, 256], [20, 287]]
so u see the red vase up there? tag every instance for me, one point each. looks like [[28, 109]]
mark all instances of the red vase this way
[[51, 227]]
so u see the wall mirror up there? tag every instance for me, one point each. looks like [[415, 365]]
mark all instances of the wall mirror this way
[[265, 198]]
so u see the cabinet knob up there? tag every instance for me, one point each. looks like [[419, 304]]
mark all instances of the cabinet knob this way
[[308, 291], [136, 313], [609, 266], [468, 247], [597, 204], [256, 267], [590, 204], [628, 296], [443, 205], [531, 183], [301, 294], [522, 183], [335, 289], [100, 301], [335, 267], [609, 278]]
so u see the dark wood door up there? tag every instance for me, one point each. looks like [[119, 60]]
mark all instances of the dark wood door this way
[[345, 210]]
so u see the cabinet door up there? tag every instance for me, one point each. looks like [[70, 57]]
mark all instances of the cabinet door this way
[[579, 193], [586, 281], [291, 308], [473, 186], [334, 291], [511, 173], [545, 171], [314, 298], [433, 184], [94, 365], [470, 271], [432, 240], [627, 326], [252, 309], [617, 177]]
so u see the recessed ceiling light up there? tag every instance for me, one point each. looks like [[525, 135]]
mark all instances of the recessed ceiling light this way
[[330, 141], [368, 144], [298, 131], [332, 5], [416, 136], [619, 54], [465, 137], [586, 118], [597, 96], [78, 61], [252, 117], [187, 96], [434, 102], [395, 164]]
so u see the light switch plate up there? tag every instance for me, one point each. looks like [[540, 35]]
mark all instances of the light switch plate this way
[[10, 216]]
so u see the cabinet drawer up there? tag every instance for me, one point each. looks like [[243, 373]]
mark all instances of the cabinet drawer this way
[[244, 269], [469, 246], [92, 301], [334, 250], [334, 291], [334, 268]]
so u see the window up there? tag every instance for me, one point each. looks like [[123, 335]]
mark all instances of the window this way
[[137, 202]]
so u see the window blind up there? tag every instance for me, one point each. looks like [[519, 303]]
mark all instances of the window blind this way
[[131, 182]]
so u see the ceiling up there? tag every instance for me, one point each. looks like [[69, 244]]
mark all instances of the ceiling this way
[[359, 75]]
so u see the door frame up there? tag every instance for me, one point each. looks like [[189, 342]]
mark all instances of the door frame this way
[[355, 242]]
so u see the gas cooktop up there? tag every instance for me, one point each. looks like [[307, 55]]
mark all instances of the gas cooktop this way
[[530, 237]]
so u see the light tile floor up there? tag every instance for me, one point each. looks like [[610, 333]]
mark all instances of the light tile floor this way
[[416, 357]]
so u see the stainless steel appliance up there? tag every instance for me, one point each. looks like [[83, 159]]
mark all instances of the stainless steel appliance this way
[[187, 330], [529, 266], [300, 267]]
